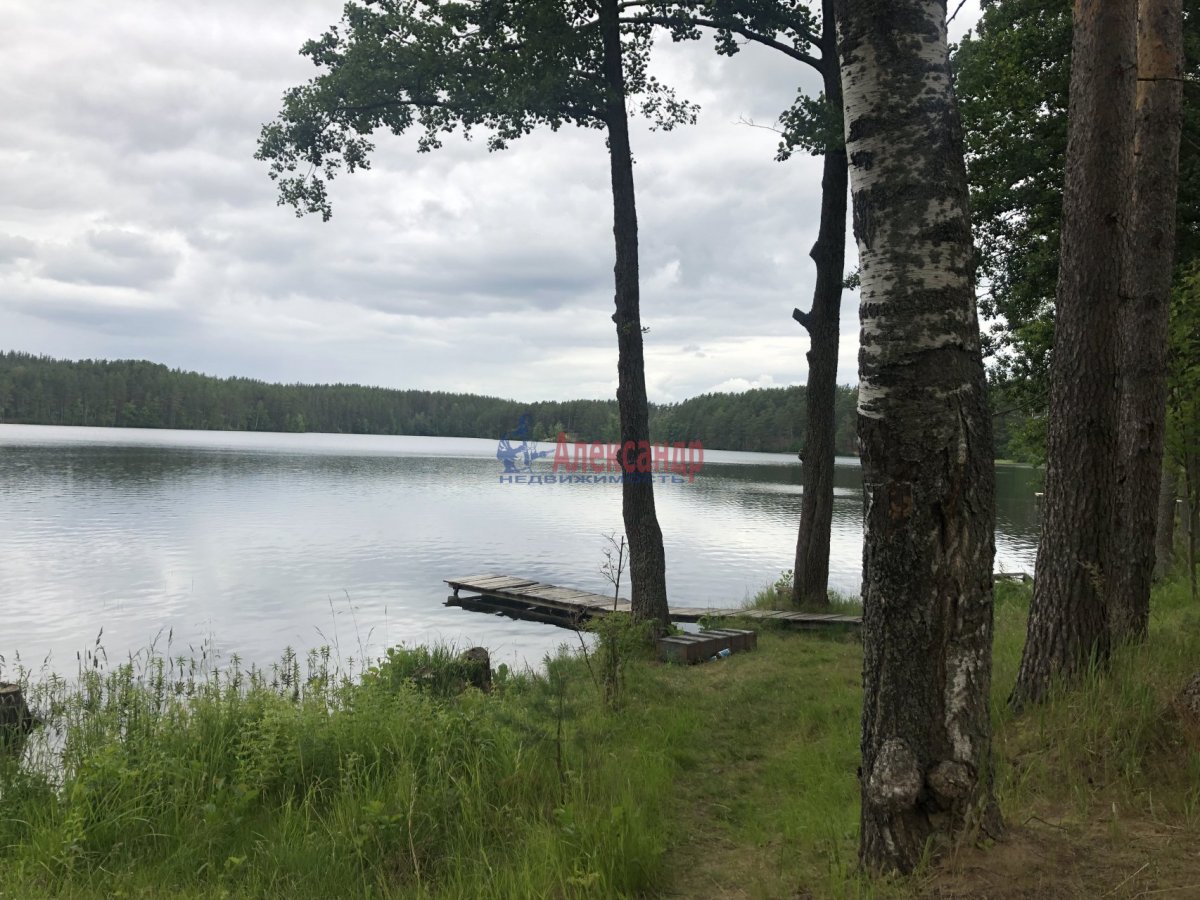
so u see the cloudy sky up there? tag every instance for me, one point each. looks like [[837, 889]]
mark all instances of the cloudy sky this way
[[135, 222]]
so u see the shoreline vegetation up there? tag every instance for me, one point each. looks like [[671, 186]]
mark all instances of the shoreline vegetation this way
[[168, 776], [41, 390]]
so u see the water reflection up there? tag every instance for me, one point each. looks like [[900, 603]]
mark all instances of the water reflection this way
[[266, 541]]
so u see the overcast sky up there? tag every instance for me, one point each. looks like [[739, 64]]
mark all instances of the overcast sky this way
[[135, 222]]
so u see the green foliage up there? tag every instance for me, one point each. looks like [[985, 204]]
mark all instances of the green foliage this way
[[1112, 741], [438, 671], [43, 391], [1183, 401], [1018, 424], [1012, 77], [437, 67], [175, 780], [619, 639], [792, 27], [171, 779], [778, 595], [764, 419]]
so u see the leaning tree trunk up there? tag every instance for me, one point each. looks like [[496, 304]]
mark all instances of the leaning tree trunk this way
[[1164, 539], [1068, 618], [647, 560], [1150, 249], [925, 438], [810, 585]]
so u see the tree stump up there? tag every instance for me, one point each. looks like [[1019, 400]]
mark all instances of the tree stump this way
[[16, 721], [477, 668]]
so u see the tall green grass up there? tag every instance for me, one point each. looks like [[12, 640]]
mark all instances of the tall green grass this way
[[778, 595], [149, 780], [1111, 744], [171, 777]]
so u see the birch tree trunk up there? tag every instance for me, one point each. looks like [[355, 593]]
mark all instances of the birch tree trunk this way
[[810, 584], [1146, 300], [1069, 618], [926, 442], [647, 559]]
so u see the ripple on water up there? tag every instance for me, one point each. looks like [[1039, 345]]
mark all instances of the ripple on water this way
[[258, 542]]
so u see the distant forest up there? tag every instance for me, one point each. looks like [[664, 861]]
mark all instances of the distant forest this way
[[40, 390]]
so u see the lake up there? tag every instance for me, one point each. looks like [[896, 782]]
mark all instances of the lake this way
[[251, 542]]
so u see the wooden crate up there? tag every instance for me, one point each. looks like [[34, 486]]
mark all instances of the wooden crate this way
[[690, 648], [739, 638]]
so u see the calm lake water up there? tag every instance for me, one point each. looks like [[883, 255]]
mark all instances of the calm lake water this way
[[257, 542]]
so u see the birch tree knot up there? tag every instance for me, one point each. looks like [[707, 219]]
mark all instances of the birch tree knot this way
[[950, 780], [895, 780]]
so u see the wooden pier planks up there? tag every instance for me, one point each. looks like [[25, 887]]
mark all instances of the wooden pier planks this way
[[526, 598]]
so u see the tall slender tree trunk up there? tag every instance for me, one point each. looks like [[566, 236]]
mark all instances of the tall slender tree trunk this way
[[810, 585], [925, 437], [1068, 618], [647, 560], [1192, 513], [1164, 540], [1146, 300]]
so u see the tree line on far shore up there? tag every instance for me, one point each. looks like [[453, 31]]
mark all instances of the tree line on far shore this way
[[41, 390]]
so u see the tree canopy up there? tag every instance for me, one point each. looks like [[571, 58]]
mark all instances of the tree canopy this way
[[436, 67], [134, 393], [1012, 77]]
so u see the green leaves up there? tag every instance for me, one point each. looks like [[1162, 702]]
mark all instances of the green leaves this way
[[811, 124], [791, 27], [435, 67], [1012, 78], [1183, 379]]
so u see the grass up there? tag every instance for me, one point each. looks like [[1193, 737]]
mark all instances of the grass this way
[[778, 595], [734, 778]]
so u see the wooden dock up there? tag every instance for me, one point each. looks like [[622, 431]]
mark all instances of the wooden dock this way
[[524, 598]]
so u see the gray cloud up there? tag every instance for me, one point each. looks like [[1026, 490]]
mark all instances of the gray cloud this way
[[14, 247], [134, 221], [110, 257]]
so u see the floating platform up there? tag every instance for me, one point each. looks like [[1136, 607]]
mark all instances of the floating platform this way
[[524, 598]]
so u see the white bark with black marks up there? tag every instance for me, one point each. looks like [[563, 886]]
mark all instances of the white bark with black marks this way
[[925, 437]]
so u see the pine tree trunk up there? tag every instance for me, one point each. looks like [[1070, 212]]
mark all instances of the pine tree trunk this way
[[1068, 618], [1164, 541], [925, 437], [647, 560], [1192, 513], [1146, 299], [810, 585]]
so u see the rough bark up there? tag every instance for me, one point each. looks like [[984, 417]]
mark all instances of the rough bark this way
[[647, 560], [810, 585], [1192, 517], [925, 438], [15, 719], [1164, 540], [1146, 297], [1068, 618]]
